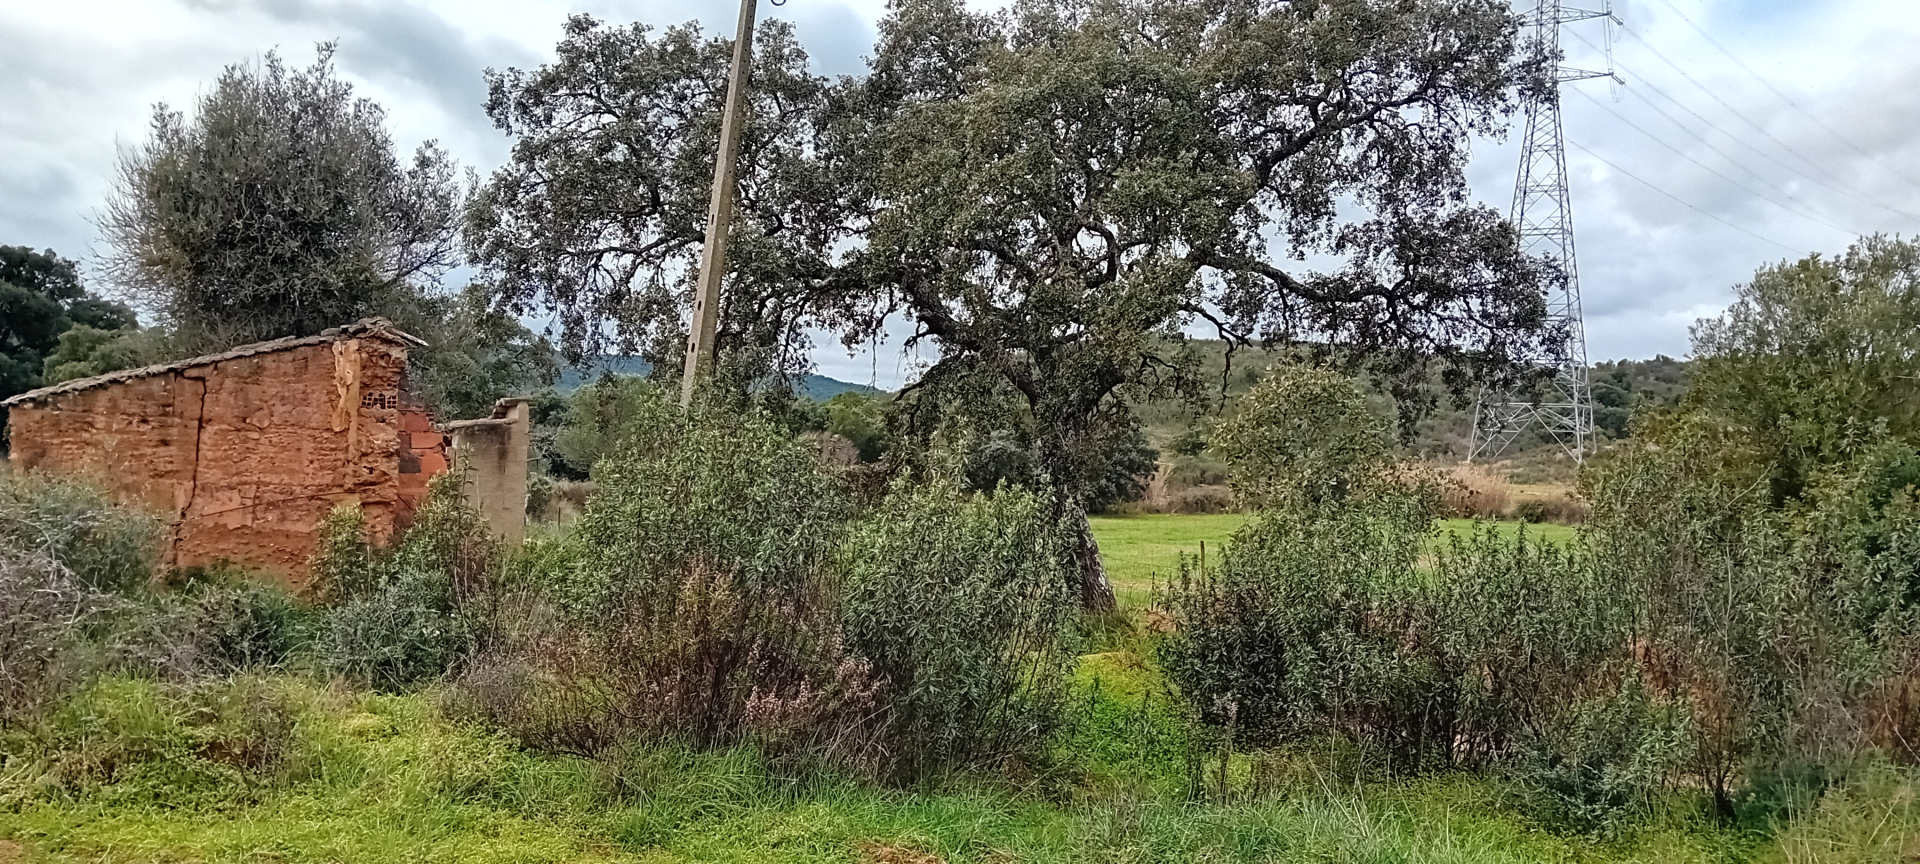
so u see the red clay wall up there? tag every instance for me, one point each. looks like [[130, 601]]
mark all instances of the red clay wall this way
[[247, 455]]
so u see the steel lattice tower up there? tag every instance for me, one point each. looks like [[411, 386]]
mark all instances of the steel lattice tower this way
[[1543, 214]]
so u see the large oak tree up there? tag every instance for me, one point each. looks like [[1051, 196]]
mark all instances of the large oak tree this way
[[1053, 196], [599, 214]]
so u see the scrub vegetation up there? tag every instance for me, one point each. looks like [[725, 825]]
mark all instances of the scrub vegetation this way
[[886, 629]]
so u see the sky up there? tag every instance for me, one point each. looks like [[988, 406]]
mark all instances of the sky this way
[[1745, 132]]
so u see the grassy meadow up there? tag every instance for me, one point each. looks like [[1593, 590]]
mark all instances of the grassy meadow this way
[[370, 777], [1141, 549], [149, 772]]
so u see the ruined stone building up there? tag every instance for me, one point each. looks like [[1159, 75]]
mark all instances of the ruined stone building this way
[[245, 452]]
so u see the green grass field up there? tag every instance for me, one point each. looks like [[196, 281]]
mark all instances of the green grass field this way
[[373, 778], [130, 774], [1139, 549]]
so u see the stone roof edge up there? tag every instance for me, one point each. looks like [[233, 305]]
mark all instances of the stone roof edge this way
[[375, 327]]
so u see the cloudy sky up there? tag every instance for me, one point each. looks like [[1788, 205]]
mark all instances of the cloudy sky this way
[[1747, 131]]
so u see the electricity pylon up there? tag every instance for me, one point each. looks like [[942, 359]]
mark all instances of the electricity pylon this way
[[1543, 215]]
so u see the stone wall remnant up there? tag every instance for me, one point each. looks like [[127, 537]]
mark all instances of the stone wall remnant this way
[[491, 456]]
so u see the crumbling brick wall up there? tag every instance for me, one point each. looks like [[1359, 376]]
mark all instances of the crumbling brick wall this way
[[246, 452]]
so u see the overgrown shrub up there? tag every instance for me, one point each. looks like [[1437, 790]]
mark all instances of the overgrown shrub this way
[[105, 546], [1529, 633], [64, 548], [962, 603], [696, 599], [1692, 634], [1782, 631], [45, 618], [408, 613], [1301, 627], [703, 491], [214, 624], [1605, 759], [718, 590]]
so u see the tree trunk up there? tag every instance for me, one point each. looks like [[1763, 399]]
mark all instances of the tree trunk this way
[[1096, 593]]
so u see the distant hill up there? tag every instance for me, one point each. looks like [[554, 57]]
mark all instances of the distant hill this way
[[819, 388], [1618, 386]]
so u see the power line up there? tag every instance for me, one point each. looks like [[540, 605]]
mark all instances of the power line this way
[[1644, 81], [1784, 97], [1704, 167], [1724, 104], [1676, 199]]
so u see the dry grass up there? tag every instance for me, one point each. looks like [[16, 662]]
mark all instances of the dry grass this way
[[1185, 487], [1543, 503], [1478, 491], [1475, 492]]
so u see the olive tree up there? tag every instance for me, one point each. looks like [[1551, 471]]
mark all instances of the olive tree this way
[[278, 208]]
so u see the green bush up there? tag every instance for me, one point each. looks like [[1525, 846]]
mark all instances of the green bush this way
[[962, 605], [1303, 435], [719, 590], [1606, 760], [105, 546], [1783, 631], [695, 599], [1300, 627], [64, 549], [600, 415], [689, 491], [408, 613]]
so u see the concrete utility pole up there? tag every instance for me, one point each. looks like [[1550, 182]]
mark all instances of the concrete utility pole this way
[[713, 256]]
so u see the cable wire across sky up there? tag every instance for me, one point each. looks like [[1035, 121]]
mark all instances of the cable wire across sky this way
[[1755, 180]]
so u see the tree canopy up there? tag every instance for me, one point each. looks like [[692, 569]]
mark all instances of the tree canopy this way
[[1059, 197], [278, 208], [41, 299], [1815, 361], [599, 214], [1052, 196]]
